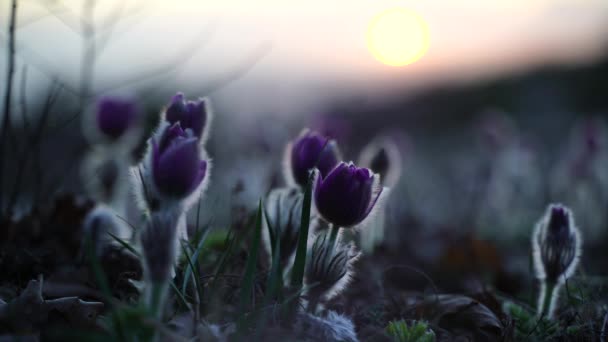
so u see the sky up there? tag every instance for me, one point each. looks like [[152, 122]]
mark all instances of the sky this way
[[299, 52]]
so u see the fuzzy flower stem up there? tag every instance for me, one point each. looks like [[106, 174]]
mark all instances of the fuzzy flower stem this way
[[156, 298], [334, 230], [546, 301]]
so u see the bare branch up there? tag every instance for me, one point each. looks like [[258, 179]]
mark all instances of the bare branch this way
[[6, 122], [64, 14], [240, 70], [189, 50]]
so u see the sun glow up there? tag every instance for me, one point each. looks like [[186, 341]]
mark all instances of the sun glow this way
[[398, 37]]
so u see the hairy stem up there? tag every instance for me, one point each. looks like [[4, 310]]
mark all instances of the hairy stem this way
[[156, 298], [546, 301], [333, 236]]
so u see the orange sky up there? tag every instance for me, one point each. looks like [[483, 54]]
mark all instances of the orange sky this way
[[316, 43]]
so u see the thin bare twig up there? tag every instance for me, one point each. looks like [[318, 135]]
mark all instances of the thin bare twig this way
[[64, 14], [107, 28], [40, 63], [87, 63], [6, 124], [241, 69], [189, 50]]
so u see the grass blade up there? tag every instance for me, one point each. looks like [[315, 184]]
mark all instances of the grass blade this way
[[275, 277], [270, 231], [297, 273], [195, 256], [181, 297], [199, 289], [125, 244], [249, 276]]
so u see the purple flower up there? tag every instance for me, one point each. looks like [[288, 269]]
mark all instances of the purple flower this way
[[347, 195], [311, 150], [115, 116], [190, 114], [177, 168]]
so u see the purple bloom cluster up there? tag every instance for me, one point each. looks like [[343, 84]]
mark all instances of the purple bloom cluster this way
[[190, 114], [176, 167], [344, 193]]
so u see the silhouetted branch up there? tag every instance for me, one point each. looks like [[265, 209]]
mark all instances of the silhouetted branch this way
[[189, 50], [240, 70], [41, 64], [70, 19], [6, 124]]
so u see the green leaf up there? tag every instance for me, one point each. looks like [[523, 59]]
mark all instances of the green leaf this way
[[418, 331]]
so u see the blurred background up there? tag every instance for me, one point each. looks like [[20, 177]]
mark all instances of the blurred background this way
[[497, 107]]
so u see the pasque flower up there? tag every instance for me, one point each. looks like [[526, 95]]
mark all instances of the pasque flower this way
[[310, 150], [347, 195], [115, 116], [192, 115], [177, 168], [556, 250], [556, 244]]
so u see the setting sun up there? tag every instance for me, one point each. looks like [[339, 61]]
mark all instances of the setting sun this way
[[398, 37]]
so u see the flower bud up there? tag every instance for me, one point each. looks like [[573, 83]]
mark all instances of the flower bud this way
[[556, 243], [329, 267], [192, 115], [159, 246], [283, 212], [556, 250], [382, 156], [308, 151], [115, 116], [347, 195], [177, 169]]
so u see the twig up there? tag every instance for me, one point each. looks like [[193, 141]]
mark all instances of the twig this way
[[8, 93], [24, 155], [87, 63], [30, 310], [34, 59], [51, 7], [189, 50], [107, 28], [241, 69]]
